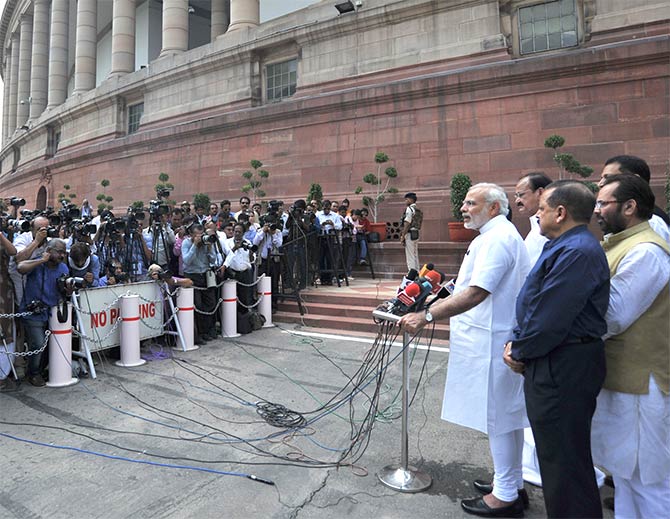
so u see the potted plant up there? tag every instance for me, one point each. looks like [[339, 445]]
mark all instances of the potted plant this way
[[460, 184], [380, 189]]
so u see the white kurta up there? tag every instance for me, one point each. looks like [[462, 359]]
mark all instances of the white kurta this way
[[634, 430], [534, 241], [481, 391]]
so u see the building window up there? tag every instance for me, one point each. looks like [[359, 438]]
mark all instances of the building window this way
[[548, 26], [135, 113], [53, 140], [281, 80]]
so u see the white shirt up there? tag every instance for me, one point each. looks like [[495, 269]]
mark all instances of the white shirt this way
[[481, 392], [534, 240], [659, 227], [630, 431], [266, 241], [336, 219], [236, 260]]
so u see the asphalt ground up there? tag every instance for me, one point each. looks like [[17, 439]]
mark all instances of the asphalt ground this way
[[178, 436]]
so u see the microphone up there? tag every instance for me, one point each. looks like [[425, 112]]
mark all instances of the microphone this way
[[409, 277], [442, 293], [427, 267], [435, 279]]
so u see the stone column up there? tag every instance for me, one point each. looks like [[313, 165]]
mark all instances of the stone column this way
[[5, 96], [244, 13], [175, 27], [123, 37], [25, 59], [13, 85], [219, 20], [39, 73], [86, 46], [58, 70]]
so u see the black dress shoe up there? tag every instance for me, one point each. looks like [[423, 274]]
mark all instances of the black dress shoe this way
[[478, 506], [486, 488]]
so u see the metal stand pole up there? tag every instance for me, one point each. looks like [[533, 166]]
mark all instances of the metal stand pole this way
[[403, 478]]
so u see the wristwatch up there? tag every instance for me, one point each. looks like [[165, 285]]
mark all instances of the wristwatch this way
[[429, 317]]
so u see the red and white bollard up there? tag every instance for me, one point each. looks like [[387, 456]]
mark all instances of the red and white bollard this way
[[60, 350], [264, 291], [130, 332], [229, 306], [186, 318]]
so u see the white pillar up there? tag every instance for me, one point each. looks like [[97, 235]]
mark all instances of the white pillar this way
[[229, 309], [264, 292], [123, 37], [60, 349], [244, 13], [6, 73], [175, 27], [39, 73], [58, 53], [13, 85], [86, 46], [220, 18], [130, 332], [186, 318], [25, 59]]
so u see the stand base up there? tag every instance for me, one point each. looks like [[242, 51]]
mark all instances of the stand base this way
[[404, 480], [268, 325], [192, 348], [224, 336], [67, 383], [131, 364]]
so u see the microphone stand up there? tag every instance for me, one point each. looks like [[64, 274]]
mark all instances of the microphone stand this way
[[403, 478]]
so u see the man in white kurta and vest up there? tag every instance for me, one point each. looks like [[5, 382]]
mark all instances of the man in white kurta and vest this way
[[480, 392], [631, 425]]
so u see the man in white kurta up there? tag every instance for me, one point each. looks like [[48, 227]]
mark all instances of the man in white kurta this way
[[631, 426], [481, 393]]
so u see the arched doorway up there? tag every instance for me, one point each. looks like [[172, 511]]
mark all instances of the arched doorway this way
[[41, 204]]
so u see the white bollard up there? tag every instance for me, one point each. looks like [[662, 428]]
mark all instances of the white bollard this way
[[229, 304], [60, 350], [186, 318], [264, 291], [130, 332]]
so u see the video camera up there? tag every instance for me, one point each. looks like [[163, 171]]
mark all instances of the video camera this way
[[17, 202], [36, 306], [63, 283], [157, 208], [272, 217], [210, 238]]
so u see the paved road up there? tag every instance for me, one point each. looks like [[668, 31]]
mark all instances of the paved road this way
[[197, 413]]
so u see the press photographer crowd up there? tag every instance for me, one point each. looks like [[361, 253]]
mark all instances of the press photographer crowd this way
[[46, 255], [557, 331]]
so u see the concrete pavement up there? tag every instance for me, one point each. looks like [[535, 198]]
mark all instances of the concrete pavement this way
[[195, 414]]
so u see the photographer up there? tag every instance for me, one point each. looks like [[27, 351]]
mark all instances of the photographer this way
[[239, 262], [41, 293], [29, 245], [160, 238], [329, 257], [114, 274], [269, 240], [361, 236], [297, 227], [198, 257], [84, 264], [7, 250], [137, 254]]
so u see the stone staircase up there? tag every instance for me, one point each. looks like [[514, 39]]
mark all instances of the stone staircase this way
[[348, 309]]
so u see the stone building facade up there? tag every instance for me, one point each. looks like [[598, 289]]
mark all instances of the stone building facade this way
[[125, 89]]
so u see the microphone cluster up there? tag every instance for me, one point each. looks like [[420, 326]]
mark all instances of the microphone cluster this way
[[415, 289]]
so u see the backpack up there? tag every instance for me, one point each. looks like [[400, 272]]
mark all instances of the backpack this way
[[417, 219]]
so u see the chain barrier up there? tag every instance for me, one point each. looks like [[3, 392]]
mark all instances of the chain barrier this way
[[14, 316], [101, 340], [47, 333], [216, 308], [250, 284], [162, 326], [253, 305]]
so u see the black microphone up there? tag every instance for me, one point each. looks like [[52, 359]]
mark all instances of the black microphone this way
[[443, 293], [409, 277]]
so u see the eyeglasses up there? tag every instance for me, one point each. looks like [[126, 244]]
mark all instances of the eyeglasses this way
[[602, 203], [520, 195]]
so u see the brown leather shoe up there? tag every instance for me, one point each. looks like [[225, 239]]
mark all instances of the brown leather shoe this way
[[36, 380]]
